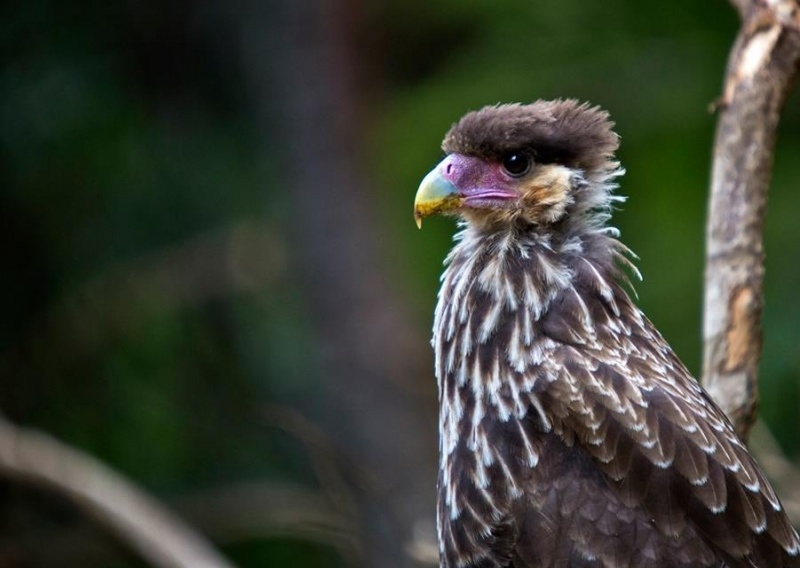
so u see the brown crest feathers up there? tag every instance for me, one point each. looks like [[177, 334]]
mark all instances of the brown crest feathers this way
[[560, 131]]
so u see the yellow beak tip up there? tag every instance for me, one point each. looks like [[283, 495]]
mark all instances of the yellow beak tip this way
[[435, 195]]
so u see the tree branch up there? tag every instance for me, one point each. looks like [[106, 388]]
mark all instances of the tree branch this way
[[255, 510], [761, 71], [138, 520]]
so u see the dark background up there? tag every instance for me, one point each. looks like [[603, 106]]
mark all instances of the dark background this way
[[211, 278]]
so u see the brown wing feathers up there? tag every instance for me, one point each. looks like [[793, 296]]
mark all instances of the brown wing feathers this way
[[668, 448]]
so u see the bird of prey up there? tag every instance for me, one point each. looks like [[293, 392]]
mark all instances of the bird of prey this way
[[570, 433]]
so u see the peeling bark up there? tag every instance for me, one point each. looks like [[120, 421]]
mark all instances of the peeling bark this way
[[761, 71]]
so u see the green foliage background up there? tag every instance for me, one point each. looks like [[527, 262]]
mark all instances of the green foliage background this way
[[126, 132]]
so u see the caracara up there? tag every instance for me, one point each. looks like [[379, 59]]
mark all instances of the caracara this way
[[570, 433]]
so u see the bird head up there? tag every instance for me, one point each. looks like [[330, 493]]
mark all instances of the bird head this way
[[523, 165]]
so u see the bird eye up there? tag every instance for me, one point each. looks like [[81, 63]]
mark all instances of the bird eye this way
[[516, 164]]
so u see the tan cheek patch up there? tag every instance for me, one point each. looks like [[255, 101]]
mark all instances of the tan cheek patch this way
[[546, 195]]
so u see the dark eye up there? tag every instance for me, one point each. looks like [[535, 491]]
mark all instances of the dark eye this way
[[516, 164]]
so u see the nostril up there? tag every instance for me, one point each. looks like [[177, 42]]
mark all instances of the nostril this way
[[449, 169]]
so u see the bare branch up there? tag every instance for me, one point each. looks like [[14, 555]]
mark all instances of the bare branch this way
[[255, 510], [761, 70], [138, 520]]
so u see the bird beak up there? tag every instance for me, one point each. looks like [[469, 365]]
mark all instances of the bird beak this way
[[435, 195]]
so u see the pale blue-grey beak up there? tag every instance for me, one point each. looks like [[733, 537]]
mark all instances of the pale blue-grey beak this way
[[435, 195]]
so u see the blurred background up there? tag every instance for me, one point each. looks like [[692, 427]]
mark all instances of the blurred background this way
[[211, 278]]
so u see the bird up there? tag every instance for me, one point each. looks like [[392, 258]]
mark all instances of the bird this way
[[570, 434]]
